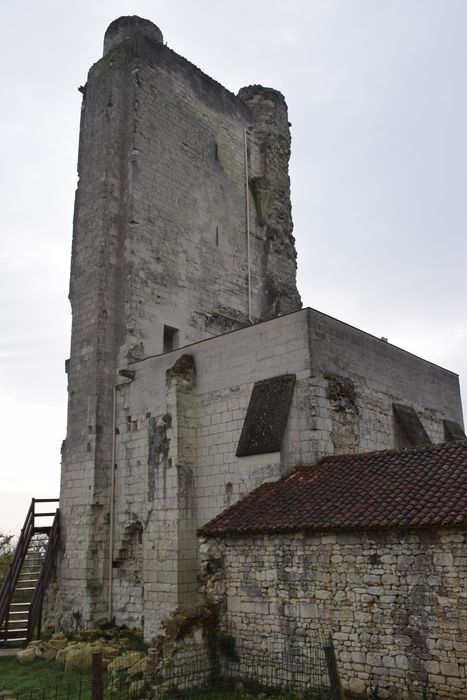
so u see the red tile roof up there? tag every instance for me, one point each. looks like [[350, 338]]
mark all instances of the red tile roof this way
[[412, 488]]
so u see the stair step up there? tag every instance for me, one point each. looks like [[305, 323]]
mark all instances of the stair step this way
[[19, 622], [33, 562], [24, 588], [14, 630], [17, 630], [30, 571], [30, 579]]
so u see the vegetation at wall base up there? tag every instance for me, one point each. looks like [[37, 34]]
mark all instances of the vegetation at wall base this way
[[44, 680], [6, 554], [40, 675]]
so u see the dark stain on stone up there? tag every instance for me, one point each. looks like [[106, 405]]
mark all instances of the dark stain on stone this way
[[158, 450], [342, 396], [341, 392], [184, 368]]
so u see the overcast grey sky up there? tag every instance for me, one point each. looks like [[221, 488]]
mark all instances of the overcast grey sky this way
[[378, 103]]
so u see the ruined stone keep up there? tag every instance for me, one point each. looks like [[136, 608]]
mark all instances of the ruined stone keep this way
[[194, 374]]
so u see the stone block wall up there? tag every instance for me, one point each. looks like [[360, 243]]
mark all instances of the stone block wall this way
[[381, 374], [160, 245], [172, 168], [179, 422], [395, 603]]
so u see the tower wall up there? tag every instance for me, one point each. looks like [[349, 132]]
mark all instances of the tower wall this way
[[174, 241]]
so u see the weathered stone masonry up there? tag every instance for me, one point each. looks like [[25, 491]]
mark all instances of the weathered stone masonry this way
[[370, 548], [172, 329], [180, 420], [396, 603], [160, 250]]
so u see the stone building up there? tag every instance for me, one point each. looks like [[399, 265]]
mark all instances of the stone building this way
[[194, 374], [368, 547]]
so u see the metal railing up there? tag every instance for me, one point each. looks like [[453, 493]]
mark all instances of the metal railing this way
[[11, 579], [299, 672], [35, 610]]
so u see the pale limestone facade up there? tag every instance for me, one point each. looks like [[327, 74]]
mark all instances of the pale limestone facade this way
[[160, 286], [178, 430], [395, 603], [182, 231]]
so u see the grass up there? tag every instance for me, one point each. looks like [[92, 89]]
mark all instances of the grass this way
[[46, 680], [40, 679], [240, 695]]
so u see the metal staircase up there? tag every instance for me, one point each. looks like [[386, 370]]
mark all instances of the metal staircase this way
[[22, 591]]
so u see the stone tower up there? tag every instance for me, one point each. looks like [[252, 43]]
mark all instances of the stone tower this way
[[182, 231]]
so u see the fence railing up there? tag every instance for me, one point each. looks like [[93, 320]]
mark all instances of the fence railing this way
[[35, 610], [9, 584], [201, 672], [14, 571]]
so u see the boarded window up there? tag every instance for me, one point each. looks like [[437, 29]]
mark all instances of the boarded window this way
[[452, 431], [409, 430], [266, 416]]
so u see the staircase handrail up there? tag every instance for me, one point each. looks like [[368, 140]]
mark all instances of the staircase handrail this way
[[11, 578], [35, 610]]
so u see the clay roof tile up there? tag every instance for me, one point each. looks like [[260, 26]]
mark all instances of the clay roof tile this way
[[410, 488]]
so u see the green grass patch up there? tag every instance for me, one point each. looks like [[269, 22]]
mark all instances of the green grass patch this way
[[246, 694], [42, 680], [46, 680]]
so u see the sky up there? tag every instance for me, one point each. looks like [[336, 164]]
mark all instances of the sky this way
[[377, 98]]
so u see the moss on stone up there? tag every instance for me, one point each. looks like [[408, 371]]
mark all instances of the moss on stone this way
[[184, 368]]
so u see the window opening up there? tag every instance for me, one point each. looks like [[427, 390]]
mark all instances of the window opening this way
[[170, 338]]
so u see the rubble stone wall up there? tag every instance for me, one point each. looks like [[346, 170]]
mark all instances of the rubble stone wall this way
[[395, 603]]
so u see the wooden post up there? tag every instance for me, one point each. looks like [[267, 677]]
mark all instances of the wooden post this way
[[331, 663], [97, 682]]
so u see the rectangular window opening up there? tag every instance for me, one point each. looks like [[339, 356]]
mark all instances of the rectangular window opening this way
[[170, 338]]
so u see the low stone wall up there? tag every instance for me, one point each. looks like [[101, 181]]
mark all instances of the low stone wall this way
[[395, 603]]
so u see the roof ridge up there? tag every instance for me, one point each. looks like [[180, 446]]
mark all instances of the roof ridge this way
[[394, 450], [405, 488]]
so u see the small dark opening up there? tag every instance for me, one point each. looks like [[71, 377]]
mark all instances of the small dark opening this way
[[170, 338]]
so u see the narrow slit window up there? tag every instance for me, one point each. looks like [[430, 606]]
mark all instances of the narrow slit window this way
[[170, 338]]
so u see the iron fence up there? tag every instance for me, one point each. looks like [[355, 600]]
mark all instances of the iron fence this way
[[216, 672]]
